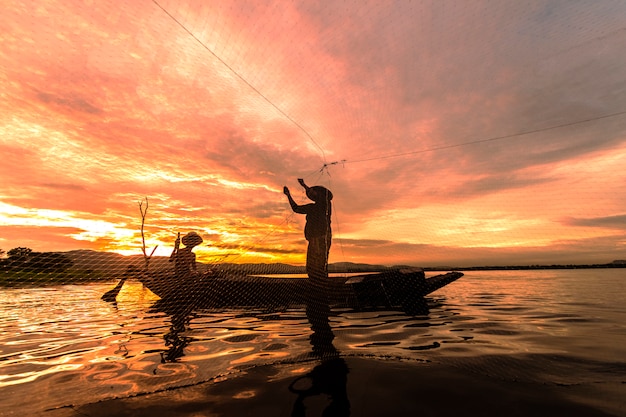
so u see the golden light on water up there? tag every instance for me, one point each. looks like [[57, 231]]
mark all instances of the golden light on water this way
[[103, 109]]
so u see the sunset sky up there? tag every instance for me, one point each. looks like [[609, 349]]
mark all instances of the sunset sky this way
[[450, 132]]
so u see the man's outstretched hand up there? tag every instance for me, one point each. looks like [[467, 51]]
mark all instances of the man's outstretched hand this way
[[286, 190]]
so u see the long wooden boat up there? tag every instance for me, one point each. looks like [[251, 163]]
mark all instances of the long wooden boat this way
[[403, 288]]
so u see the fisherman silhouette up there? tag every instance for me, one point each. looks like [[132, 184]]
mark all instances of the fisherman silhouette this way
[[184, 259], [317, 230]]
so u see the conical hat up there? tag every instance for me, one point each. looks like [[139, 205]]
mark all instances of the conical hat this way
[[191, 239], [318, 193]]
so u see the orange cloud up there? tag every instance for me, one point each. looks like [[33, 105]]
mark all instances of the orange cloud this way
[[391, 106]]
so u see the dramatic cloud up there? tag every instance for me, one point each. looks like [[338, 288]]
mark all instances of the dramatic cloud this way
[[449, 133], [612, 222]]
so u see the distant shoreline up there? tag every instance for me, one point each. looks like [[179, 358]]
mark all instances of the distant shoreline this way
[[9, 279], [527, 267], [92, 266]]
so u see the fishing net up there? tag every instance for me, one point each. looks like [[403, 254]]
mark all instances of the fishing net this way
[[451, 135]]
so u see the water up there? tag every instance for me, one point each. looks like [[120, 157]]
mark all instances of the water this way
[[62, 346]]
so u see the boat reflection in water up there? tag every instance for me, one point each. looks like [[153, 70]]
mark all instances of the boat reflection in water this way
[[325, 386], [330, 377]]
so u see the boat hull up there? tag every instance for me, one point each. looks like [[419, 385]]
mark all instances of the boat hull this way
[[403, 288]]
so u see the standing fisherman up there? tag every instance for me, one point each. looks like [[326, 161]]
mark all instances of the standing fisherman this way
[[317, 230]]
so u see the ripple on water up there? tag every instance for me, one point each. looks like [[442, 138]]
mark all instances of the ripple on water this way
[[65, 343], [240, 338], [433, 345]]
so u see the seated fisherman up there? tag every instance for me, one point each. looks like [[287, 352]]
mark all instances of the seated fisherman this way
[[184, 259]]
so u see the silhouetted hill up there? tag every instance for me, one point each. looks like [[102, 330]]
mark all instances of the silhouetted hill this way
[[108, 265], [353, 267], [99, 263]]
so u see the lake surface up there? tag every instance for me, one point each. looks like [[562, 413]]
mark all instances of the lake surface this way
[[62, 346]]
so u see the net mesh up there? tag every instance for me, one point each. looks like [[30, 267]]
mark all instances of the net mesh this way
[[452, 135]]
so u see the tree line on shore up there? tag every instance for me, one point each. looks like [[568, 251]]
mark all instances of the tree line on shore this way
[[26, 260]]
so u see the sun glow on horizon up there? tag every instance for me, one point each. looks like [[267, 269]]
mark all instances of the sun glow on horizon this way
[[103, 106]]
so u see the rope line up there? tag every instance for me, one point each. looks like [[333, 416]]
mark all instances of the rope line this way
[[326, 165], [438, 148], [243, 79]]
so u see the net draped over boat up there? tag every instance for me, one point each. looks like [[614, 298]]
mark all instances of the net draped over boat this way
[[451, 135]]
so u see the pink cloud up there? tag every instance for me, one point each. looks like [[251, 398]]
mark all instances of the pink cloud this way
[[107, 104]]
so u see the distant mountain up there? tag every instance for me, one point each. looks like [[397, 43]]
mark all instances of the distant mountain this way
[[105, 264], [353, 267], [110, 265]]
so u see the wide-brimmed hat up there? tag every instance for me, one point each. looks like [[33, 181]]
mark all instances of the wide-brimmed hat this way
[[318, 193], [191, 239]]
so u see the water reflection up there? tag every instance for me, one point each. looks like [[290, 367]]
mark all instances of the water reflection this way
[[65, 342], [330, 376], [175, 339], [317, 312]]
